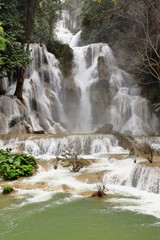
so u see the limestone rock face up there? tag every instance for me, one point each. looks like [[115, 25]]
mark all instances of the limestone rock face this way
[[103, 70], [70, 99], [100, 92], [3, 124], [12, 115], [3, 85], [19, 128], [53, 102], [70, 84], [14, 118]]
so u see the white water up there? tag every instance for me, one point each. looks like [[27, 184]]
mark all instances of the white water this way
[[43, 108], [97, 92], [121, 175], [120, 105], [126, 109]]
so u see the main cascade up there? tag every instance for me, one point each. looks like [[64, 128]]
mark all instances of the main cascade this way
[[108, 94], [97, 92]]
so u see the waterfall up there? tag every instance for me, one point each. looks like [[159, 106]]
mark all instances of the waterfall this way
[[42, 109], [145, 178], [108, 94], [87, 144], [44, 89], [114, 160], [96, 93]]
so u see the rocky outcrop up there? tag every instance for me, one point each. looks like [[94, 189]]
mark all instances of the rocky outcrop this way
[[70, 99], [14, 118], [3, 124], [103, 70], [126, 142], [100, 92], [12, 115], [3, 85]]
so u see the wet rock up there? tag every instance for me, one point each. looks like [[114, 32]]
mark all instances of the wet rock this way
[[3, 85], [71, 100], [12, 115], [39, 132], [15, 120], [103, 70], [65, 188], [69, 83], [100, 94], [53, 102], [127, 133], [106, 128], [21, 147], [3, 124], [19, 128], [125, 142]]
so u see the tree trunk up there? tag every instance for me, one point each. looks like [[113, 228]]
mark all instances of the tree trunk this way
[[20, 82], [30, 10]]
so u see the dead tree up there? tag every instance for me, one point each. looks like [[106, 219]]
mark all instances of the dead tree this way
[[71, 153]]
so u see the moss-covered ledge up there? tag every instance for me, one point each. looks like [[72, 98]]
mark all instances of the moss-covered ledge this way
[[64, 54]]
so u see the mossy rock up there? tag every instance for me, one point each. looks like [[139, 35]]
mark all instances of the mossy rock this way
[[64, 54], [39, 132], [7, 190]]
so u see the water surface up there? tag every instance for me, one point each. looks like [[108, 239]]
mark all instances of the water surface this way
[[67, 217]]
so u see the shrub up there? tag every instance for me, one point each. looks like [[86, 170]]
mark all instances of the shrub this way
[[144, 150], [147, 151], [71, 154], [15, 165], [7, 189], [101, 188]]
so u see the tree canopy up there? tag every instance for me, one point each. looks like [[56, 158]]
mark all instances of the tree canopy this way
[[20, 22], [132, 28]]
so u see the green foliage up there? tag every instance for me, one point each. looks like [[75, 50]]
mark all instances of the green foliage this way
[[97, 24], [46, 16], [18, 18], [131, 28], [13, 55], [7, 189], [154, 94], [39, 132], [64, 54], [2, 43], [2, 40], [99, 1], [15, 165]]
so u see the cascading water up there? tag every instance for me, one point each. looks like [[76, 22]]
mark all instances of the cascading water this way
[[42, 109], [122, 176], [108, 94], [145, 178], [87, 144], [96, 93]]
